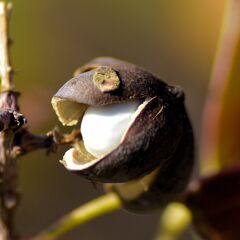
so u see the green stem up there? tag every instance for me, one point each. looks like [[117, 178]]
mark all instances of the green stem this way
[[93, 209], [222, 68], [174, 221]]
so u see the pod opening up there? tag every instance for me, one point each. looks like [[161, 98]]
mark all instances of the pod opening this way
[[103, 129], [69, 113]]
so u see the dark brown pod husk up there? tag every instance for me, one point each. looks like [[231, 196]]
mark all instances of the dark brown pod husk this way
[[159, 141], [165, 183]]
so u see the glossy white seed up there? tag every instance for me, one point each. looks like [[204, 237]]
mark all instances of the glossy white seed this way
[[103, 127]]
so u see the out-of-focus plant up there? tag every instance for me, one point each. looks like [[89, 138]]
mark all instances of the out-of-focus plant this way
[[210, 202], [215, 199]]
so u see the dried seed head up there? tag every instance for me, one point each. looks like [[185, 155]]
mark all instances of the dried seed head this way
[[145, 155]]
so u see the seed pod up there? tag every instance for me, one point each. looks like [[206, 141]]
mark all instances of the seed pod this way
[[156, 149]]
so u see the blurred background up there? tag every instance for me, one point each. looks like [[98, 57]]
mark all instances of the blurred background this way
[[175, 39]]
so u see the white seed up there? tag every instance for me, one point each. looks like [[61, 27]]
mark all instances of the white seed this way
[[103, 127]]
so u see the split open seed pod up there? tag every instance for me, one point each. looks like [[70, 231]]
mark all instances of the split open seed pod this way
[[156, 142]]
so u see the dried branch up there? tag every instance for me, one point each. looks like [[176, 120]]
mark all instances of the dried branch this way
[[10, 121], [26, 141], [8, 166], [5, 67]]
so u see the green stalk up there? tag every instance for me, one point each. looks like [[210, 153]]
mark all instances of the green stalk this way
[[220, 78], [93, 209], [174, 220]]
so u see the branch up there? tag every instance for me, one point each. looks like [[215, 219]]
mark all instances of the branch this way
[[93, 209], [5, 67], [26, 142], [10, 122]]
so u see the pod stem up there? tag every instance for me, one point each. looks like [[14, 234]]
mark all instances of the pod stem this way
[[93, 209], [174, 220]]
